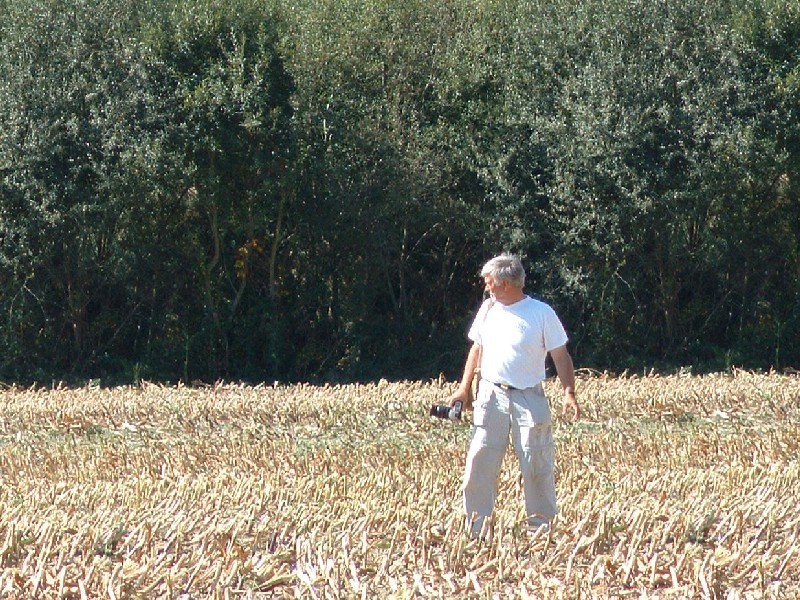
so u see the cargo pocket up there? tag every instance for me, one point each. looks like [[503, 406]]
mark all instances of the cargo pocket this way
[[536, 450], [480, 408]]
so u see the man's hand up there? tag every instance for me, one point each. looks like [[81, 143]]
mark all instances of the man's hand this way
[[566, 374], [571, 405], [458, 396]]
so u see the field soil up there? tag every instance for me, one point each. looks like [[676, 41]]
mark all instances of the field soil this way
[[670, 487]]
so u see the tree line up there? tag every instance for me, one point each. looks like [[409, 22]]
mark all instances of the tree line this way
[[306, 189]]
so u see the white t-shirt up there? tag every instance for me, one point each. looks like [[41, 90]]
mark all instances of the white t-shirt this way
[[516, 340]]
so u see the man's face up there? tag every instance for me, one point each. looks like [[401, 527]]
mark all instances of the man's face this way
[[495, 288]]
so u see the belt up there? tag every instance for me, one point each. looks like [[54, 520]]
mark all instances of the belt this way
[[509, 388], [503, 386]]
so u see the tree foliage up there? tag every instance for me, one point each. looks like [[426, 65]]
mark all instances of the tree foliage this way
[[306, 190]]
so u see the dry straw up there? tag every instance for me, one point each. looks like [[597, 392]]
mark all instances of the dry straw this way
[[672, 487]]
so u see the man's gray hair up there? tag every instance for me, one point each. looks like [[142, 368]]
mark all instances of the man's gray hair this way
[[506, 267]]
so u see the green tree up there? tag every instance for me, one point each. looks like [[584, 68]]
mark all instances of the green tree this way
[[143, 150], [306, 190], [70, 96], [651, 174], [234, 151], [390, 207]]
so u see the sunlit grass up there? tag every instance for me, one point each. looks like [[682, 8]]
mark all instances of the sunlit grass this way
[[671, 487]]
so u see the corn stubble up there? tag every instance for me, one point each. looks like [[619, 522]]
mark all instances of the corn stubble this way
[[671, 487]]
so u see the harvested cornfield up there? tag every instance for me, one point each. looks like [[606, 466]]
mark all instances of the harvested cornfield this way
[[670, 487]]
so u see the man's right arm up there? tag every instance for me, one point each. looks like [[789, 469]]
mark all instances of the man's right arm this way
[[471, 364]]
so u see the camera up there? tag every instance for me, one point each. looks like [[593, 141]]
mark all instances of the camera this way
[[443, 411]]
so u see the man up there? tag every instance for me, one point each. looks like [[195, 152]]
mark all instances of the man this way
[[511, 336]]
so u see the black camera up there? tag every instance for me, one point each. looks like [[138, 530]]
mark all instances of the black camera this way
[[442, 411]]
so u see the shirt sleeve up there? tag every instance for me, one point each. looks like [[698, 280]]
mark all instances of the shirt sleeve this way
[[555, 335], [474, 333]]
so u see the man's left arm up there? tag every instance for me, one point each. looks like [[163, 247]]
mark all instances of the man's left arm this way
[[566, 374]]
